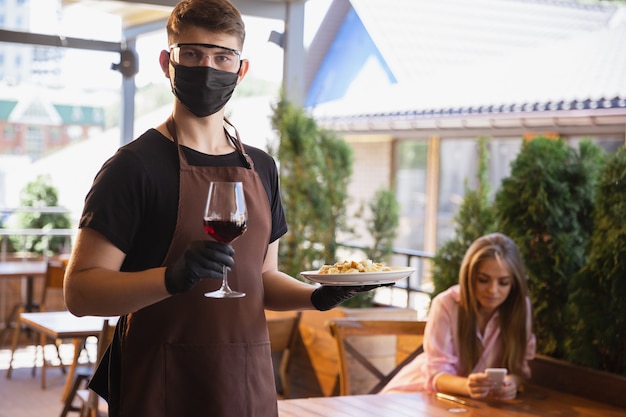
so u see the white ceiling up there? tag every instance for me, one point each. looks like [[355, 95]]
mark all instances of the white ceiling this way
[[146, 12]]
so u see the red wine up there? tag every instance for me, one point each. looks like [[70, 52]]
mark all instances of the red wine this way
[[224, 231]]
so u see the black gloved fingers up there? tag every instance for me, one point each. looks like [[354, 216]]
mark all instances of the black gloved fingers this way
[[202, 259], [218, 246], [209, 255], [327, 296]]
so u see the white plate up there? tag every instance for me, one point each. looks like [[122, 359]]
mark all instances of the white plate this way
[[361, 278]]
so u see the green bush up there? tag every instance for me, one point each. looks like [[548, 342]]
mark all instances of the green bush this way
[[40, 194], [381, 216], [545, 206], [315, 169], [597, 304]]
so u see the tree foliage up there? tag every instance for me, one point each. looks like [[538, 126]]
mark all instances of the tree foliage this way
[[597, 337], [544, 206], [40, 194], [315, 168], [381, 216]]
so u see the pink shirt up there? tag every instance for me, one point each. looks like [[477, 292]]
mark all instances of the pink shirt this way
[[441, 354]]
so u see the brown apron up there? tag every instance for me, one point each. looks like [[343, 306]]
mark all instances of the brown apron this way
[[189, 355]]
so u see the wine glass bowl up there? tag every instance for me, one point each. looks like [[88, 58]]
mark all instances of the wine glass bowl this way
[[225, 219]]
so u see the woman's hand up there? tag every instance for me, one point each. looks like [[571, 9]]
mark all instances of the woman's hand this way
[[507, 391], [479, 385]]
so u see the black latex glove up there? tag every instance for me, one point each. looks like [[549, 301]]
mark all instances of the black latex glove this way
[[202, 259], [327, 296]]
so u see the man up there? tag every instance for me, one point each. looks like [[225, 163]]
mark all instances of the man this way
[[141, 251]]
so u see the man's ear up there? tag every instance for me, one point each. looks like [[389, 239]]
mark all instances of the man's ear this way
[[243, 69], [164, 61]]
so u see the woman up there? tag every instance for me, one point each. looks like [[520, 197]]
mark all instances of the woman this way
[[483, 322]]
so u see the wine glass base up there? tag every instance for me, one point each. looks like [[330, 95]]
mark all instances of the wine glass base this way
[[224, 294]]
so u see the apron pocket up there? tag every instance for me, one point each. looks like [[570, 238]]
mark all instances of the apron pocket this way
[[219, 380]]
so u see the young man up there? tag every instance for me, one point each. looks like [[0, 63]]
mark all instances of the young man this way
[[141, 251]]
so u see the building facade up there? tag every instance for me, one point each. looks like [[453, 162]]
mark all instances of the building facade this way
[[427, 79]]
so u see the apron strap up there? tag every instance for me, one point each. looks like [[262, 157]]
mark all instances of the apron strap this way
[[234, 140]]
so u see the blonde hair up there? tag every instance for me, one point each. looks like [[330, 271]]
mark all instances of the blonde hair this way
[[513, 314]]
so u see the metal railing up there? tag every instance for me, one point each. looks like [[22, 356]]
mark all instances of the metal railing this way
[[40, 232], [45, 233], [408, 293]]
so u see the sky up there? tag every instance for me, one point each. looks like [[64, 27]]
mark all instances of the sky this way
[[82, 68]]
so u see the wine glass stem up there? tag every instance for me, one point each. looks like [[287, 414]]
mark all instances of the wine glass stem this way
[[225, 287]]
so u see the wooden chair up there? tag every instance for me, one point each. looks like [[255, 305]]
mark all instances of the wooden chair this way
[[283, 330], [372, 351], [80, 398], [52, 291]]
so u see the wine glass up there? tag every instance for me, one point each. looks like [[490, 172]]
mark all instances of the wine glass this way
[[225, 219]]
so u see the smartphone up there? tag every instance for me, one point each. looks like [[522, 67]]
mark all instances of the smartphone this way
[[496, 375]]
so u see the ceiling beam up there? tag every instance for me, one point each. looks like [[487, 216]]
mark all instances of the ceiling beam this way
[[58, 41]]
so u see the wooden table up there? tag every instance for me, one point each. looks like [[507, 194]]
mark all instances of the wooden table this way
[[64, 325], [24, 269], [535, 401], [28, 271]]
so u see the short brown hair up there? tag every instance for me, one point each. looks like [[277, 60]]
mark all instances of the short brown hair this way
[[219, 16]]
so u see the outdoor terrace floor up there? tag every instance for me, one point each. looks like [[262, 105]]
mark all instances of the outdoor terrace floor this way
[[22, 395]]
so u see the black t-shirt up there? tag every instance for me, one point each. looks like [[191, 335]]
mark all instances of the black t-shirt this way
[[133, 201]]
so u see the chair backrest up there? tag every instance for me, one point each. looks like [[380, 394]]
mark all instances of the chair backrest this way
[[283, 328], [53, 285], [283, 331], [95, 406], [372, 351], [105, 338]]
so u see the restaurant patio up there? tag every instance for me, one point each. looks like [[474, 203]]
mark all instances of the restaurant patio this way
[[22, 395]]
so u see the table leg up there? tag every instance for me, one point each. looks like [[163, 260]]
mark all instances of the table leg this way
[[27, 305], [30, 295], [78, 344], [42, 341]]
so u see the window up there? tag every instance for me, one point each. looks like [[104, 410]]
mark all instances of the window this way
[[609, 143], [502, 153], [55, 134], [410, 177], [458, 167], [34, 142], [8, 132]]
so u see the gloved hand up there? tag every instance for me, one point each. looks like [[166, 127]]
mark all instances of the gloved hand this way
[[202, 259], [327, 296]]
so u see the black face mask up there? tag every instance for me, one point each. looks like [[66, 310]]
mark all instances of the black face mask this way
[[203, 90]]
